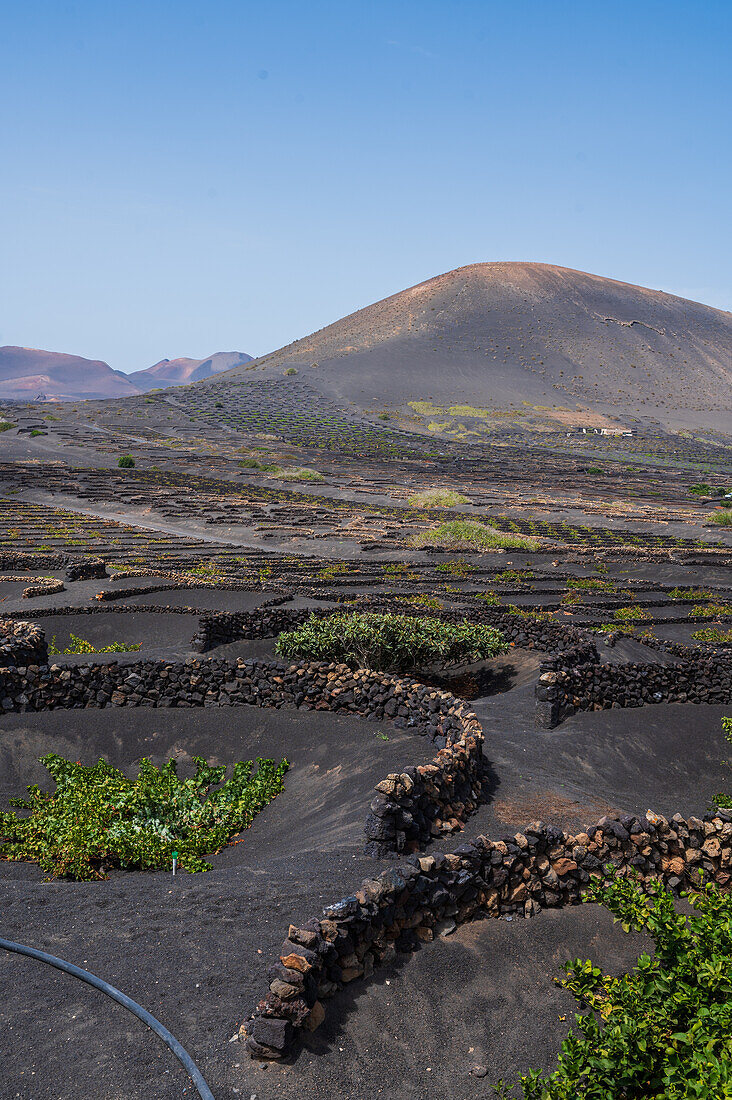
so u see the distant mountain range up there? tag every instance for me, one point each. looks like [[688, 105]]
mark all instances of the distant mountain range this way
[[28, 374]]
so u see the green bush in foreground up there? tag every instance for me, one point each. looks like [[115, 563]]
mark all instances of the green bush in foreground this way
[[721, 518], [462, 534], [125, 462], [388, 642], [97, 819], [662, 1031]]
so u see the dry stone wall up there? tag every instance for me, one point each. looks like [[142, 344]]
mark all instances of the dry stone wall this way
[[21, 643], [77, 568], [430, 895], [408, 809], [567, 686]]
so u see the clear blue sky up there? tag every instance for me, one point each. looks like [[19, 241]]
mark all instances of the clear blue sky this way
[[178, 178]]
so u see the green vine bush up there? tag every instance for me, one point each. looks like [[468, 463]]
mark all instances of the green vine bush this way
[[97, 819], [80, 645], [712, 636], [663, 1031], [389, 642]]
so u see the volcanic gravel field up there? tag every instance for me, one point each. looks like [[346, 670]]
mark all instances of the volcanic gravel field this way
[[628, 551]]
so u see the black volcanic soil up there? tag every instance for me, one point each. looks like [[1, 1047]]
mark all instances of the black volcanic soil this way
[[159, 634], [189, 950]]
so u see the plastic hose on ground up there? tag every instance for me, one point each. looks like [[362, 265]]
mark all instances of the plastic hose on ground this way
[[121, 998]]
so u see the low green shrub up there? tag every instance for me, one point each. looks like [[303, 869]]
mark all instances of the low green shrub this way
[[712, 636], [80, 645], [389, 642], [421, 600], [5, 425], [514, 576], [529, 613], [629, 614], [98, 819], [722, 518], [125, 462], [711, 610], [489, 598], [299, 473], [437, 498], [455, 568], [465, 534], [35, 432], [663, 1031], [590, 584], [690, 594]]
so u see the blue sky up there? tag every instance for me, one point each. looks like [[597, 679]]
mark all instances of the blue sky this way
[[179, 178]]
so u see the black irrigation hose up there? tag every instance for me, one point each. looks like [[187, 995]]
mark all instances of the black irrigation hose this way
[[142, 1014]]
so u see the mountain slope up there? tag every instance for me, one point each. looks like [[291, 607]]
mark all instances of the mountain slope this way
[[177, 372], [29, 373], [26, 373], [501, 334]]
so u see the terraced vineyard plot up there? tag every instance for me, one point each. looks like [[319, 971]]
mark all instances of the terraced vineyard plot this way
[[599, 536], [294, 411]]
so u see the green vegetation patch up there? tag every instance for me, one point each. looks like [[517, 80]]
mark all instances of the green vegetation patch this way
[[437, 498], [389, 642], [455, 568], [661, 1031], [125, 462], [469, 410], [97, 819], [80, 645], [425, 408], [630, 614], [590, 584], [514, 576], [690, 594], [722, 518], [468, 534], [711, 611], [5, 425], [282, 473], [713, 636]]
